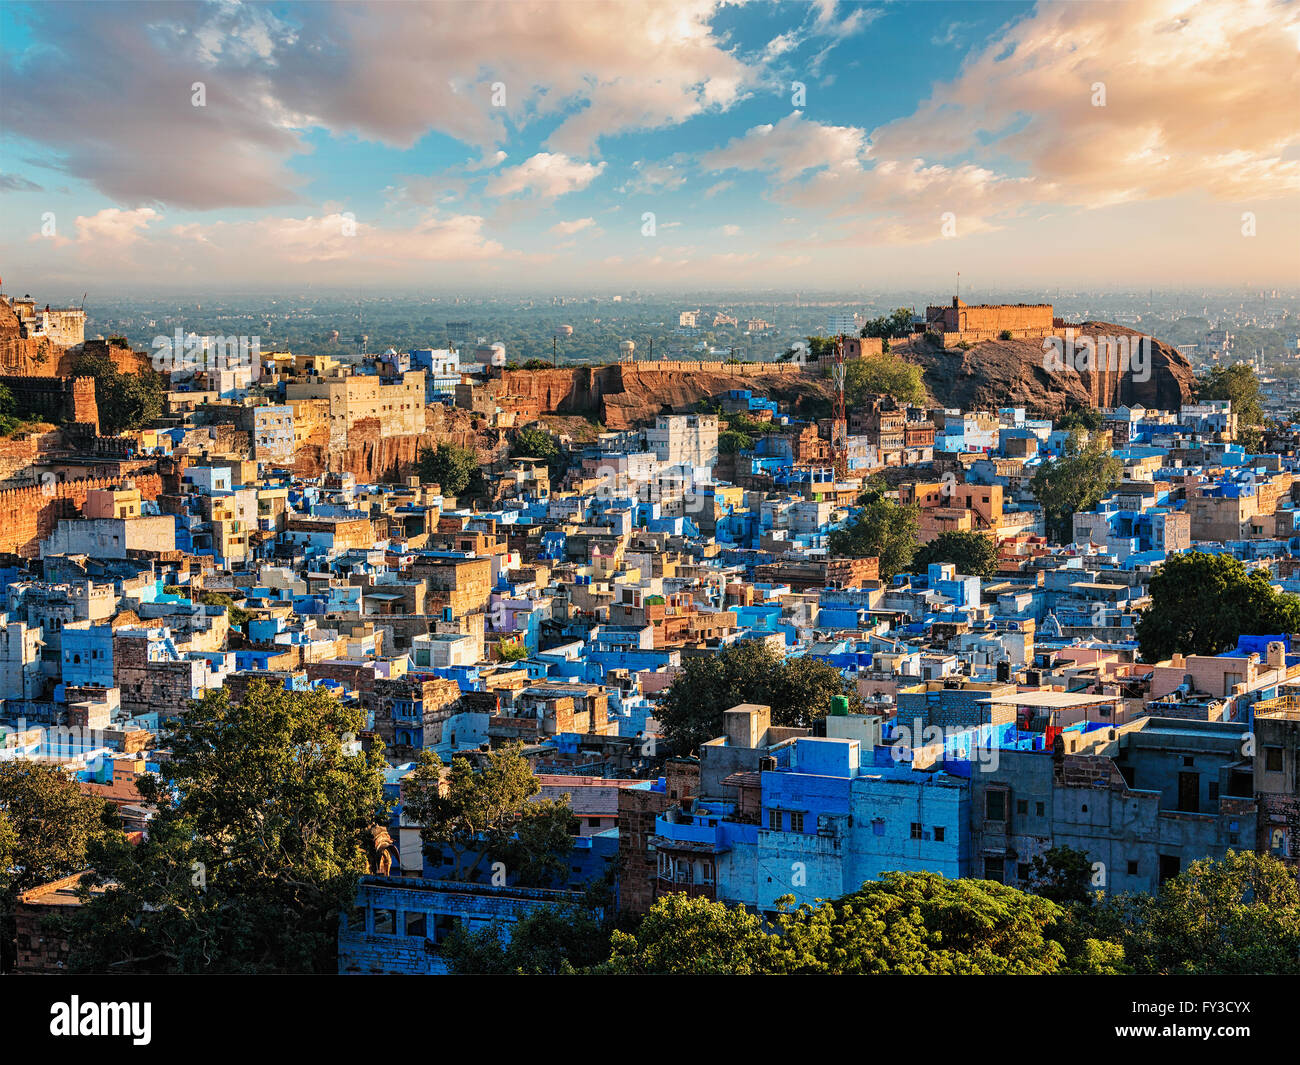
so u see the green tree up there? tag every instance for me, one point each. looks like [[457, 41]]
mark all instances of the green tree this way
[[125, 400], [1237, 383], [883, 530], [546, 942], [48, 830], [1063, 875], [731, 441], [888, 326], [489, 815], [924, 924], [971, 552], [1244, 603], [799, 691], [1239, 915], [1088, 419], [882, 375], [535, 444], [1077, 481], [254, 849], [237, 614], [683, 936], [455, 469]]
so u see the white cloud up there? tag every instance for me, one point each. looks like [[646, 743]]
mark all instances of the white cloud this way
[[546, 176]]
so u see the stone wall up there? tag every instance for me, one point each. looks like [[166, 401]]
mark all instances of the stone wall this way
[[54, 399], [29, 515]]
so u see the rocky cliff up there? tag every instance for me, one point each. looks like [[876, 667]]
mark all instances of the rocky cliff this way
[[625, 396], [1020, 373]]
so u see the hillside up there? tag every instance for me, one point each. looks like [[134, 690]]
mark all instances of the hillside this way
[[1000, 373]]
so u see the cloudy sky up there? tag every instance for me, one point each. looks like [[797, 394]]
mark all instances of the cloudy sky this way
[[659, 144]]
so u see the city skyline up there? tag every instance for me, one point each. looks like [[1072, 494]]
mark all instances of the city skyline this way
[[650, 145]]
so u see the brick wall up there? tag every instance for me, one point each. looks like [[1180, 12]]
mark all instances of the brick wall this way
[[29, 515]]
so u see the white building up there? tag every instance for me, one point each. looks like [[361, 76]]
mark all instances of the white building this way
[[684, 439]]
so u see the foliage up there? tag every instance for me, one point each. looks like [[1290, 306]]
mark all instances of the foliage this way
[[883, 530], [1062, 874], [799, 691], [1177, 620], [535, 444], [1077, 481], [512, 650], [685, 936], [1237, 383], [125, 400], [887, 326], [971, 552], [882, 375], [237, 614], [453, 468], [1236, 916], [731, 441], [48, 829], [489, 815], [546, 942], [254, 849], [905, 923], [1088, 419]]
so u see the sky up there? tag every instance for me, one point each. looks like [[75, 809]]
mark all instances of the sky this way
[[651, 145]]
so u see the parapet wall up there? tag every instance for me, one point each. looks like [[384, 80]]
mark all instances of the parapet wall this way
[[56, 399], [29, 515]]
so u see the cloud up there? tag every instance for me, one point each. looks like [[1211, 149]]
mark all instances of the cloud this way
[[789, 148], [1194, 94], [545, 176], [114, 226], [567, 229], [17, 183], [389, 73]]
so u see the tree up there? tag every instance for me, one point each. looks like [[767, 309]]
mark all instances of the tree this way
[[683, 936], [1236, 383], [1078, 480], [546, 942], [799, 691], [1239, 915], [971, 552], [238, 615], [489, 815], [923, 924], [883, 530], [1244, 603], [254, 849], [1063, 875], [888, 326], [882, 375], [48, 829], [451, 467], [1089, 419], [731, 441], [535, 444], [125, 400]]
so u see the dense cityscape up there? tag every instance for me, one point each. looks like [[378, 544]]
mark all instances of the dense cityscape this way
[[468, 595]]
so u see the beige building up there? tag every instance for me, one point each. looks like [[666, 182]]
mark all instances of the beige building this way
[[398, 405]]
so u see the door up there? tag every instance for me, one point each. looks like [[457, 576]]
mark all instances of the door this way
[[1189, 792]]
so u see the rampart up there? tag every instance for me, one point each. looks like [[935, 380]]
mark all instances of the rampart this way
[[29, 515]]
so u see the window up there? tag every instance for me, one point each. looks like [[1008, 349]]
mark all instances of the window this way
[[1273, 759], [995, 806], [796, 822], [1022, 806], [1132, 867], [774, 820], [916, 829], [994, 869], [938, 833], [1022, 871], [415, 924], [593, 822], [1038, 809], [385, 922]]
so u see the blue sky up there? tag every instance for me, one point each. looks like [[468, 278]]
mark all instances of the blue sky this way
[[650, 144]]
